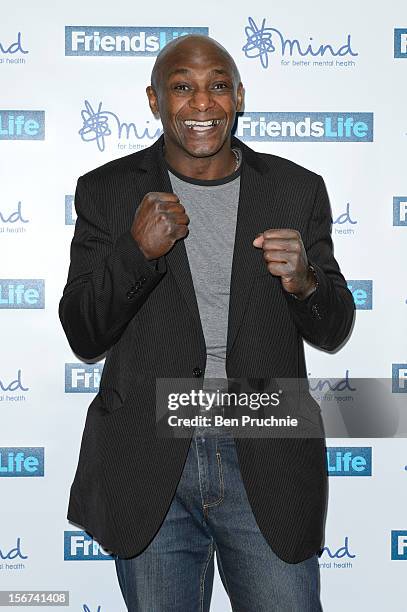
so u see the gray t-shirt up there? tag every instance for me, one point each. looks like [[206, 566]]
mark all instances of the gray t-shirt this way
[[212, 210]]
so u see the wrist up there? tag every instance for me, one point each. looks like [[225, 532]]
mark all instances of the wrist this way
[[311, 285], [140, 247]]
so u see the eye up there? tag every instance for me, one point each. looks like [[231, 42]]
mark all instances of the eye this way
[[181, 87], [221, 86]]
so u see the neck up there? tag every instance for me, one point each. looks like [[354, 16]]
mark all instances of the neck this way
[[210, 168]]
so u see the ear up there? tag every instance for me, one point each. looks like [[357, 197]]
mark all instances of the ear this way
[[153, 101], [240, 97]]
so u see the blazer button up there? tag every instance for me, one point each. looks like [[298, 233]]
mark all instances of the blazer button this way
[[316, 312], [197, 372]]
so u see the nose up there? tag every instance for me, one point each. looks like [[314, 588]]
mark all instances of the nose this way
[[201, 100]]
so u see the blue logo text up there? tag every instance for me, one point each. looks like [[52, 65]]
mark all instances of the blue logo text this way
[[400, 210], [399, 545], [70, 214], [28, 461], [399, 377], [362, 292], [79, 546], [22, 293], [22, 125], [122, 41], [349, 461], [305, 127], [82, 378], [400, 42]]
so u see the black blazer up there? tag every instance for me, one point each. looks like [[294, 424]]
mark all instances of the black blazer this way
[[146, 318]]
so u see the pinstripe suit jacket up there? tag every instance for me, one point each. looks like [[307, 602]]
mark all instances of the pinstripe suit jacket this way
[[146, 320]]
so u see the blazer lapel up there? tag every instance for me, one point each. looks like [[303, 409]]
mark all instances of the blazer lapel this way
[[253, 214], [155, 178]]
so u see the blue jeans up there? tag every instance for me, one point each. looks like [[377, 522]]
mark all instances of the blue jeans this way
[[211, 512]]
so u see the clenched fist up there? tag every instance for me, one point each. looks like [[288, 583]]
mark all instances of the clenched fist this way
[[159, 221], [285, 256]]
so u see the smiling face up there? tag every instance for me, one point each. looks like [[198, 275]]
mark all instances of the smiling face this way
[[196, 91]]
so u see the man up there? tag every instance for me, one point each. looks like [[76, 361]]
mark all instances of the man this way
[[199, 257]]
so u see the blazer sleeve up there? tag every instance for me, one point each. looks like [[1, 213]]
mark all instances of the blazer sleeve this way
[[108, 280], [324, 318]]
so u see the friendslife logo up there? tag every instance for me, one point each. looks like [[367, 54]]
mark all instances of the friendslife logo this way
[[400, 43], [22, 293], [82, 378], [399, 545], [349, 461], [362, 293], [399, 377], [79, 546], [22, 125], [306, 127], [27, 461], [100, 124], [122, 41], [400, 211], [70, 213], [262, 42]]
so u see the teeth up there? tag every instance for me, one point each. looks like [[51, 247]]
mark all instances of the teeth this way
[[190, 123]]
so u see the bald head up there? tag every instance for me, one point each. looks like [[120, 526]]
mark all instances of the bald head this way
[[189, 46], [196, 92]]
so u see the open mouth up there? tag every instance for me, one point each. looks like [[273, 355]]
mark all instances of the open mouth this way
[[202, 126]]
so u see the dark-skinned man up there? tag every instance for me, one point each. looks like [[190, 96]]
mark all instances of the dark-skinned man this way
[[198, 257]]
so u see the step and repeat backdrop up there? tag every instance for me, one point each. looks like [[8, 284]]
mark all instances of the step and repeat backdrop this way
[[325, 86]]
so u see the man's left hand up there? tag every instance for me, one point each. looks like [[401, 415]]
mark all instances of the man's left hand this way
[[285, 256]]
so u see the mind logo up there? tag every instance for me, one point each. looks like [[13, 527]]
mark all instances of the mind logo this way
[[264, 41]]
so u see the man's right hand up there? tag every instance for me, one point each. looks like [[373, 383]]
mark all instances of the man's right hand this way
[[159, 222]]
